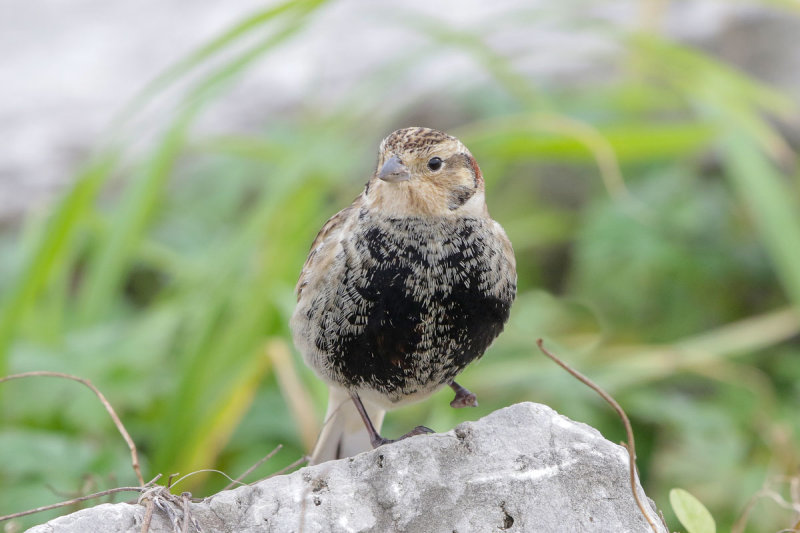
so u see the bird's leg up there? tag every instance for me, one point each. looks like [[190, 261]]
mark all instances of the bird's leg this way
[[375, 437], [464, 398]]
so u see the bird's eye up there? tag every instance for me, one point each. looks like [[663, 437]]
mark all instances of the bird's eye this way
[[435, 163]]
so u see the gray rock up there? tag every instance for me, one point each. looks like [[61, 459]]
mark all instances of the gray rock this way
[[524, 468]]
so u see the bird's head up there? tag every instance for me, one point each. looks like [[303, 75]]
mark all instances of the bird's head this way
[[424, 172]]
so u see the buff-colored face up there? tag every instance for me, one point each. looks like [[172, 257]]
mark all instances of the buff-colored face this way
[[424, 172]]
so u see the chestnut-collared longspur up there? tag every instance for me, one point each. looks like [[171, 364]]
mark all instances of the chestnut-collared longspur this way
[[403, 289]]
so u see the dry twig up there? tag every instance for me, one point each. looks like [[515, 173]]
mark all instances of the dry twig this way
[[109, 409], [258, 463], [73, 501], [294, 392], [187, 498], [148, 516], [286, 468], [175, 508], [631, 447], [770, 493]]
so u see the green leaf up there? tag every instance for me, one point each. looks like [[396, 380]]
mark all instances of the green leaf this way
[[693, 515], [772, 203]]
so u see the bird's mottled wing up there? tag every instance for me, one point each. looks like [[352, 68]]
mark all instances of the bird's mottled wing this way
[[508, 250], [329, 232]]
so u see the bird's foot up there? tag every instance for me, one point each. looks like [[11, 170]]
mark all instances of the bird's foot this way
[[464, 398], [377, 440], [419, 430], [375, 437]]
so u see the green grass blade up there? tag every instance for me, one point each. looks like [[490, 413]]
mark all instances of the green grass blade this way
[[209, 50], [107, 268], [106, 272], [50, 251], [497, 65], [630, 366], [774, 207]]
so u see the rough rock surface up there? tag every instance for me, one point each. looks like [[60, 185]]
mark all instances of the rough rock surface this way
[[524, 468]]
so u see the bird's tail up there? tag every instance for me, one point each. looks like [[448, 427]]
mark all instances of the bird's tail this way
[[343, 432]]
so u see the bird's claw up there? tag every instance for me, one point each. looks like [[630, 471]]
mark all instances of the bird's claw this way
[[419, 430], [464, 398]]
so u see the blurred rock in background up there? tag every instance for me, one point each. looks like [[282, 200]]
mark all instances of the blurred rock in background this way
[[68, 67]]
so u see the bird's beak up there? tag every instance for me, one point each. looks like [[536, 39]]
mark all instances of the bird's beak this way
[[394, 170]]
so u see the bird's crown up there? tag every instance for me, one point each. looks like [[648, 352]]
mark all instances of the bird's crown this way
[[417, 140]]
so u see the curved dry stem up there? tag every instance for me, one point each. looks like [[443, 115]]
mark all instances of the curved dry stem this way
[[258, 463], [109, 409], [304, 459], [631, 447], [206, 471], [176, 508], [80, 499], [601, 150], [294, 392], [148, 516], [767, 492], [186, 497], [597, 144]]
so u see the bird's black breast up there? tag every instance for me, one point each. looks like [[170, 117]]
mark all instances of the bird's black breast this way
[[418, 302]]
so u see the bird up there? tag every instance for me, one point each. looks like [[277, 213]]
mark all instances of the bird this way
[[402, 289]]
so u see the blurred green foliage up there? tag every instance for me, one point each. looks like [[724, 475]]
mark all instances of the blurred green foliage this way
[[656, 229]]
